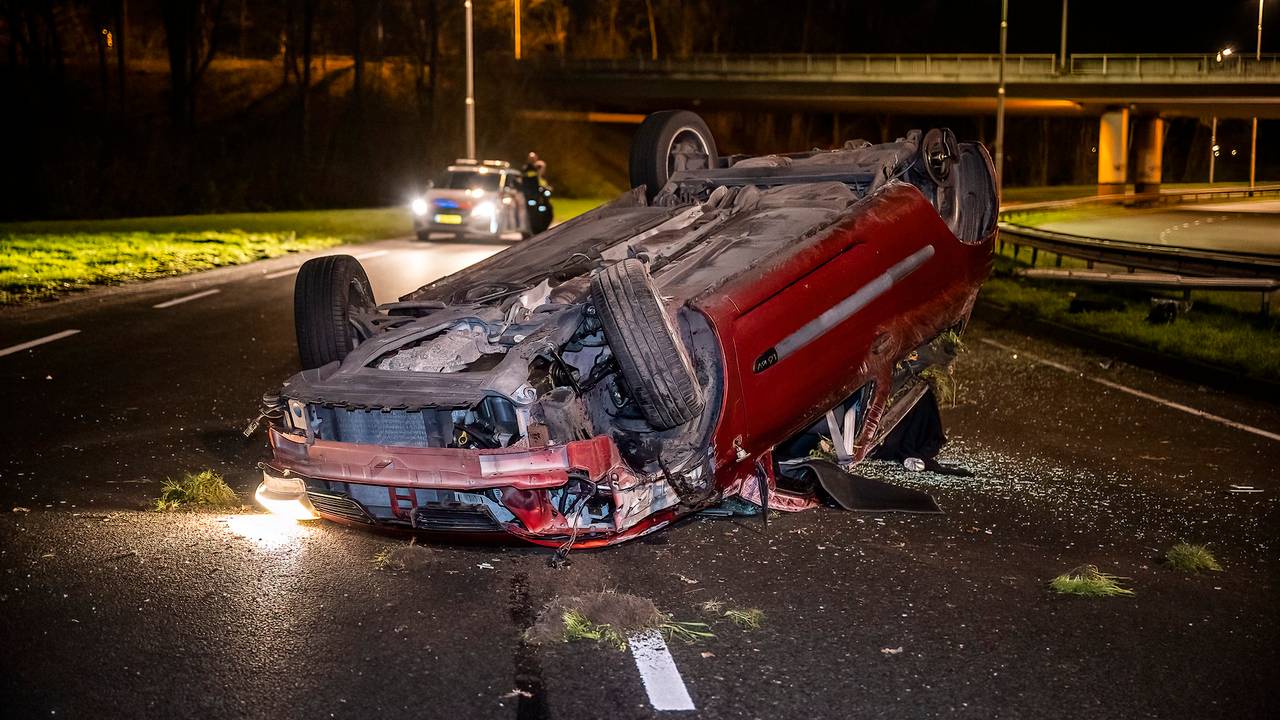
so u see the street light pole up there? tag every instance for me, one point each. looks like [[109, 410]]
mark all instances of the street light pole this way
[[471, 88], [1213, 146], [1004, 30], [1253, 150], [518, 44]]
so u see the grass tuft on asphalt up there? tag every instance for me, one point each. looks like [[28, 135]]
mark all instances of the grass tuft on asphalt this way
[[205, 489], [578, 626], [1088, 581], [1191, 558], [746, 618]]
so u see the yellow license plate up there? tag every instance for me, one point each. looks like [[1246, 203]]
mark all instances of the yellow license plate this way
[[449, 219]]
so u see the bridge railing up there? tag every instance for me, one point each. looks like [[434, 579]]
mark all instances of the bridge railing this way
[[1021, 67], [1173, 67], [954, 64]]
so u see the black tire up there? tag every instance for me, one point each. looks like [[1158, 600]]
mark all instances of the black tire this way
[[326, 292], [424, 235], [650, 356], [668, 141]]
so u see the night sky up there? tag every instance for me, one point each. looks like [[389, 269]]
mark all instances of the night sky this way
[[1096, 26]]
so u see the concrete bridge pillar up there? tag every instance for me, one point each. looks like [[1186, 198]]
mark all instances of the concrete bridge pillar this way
[[1113, 152], [1148, 140]]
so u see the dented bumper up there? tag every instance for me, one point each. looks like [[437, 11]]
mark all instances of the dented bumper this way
[[540, 495]]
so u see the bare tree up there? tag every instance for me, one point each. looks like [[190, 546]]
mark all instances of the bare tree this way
[[190, 33]]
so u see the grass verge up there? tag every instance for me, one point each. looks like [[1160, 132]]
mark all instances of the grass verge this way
[[1088, 581], [45, 259], [1191, 558], [193, 490], [1216, 331]]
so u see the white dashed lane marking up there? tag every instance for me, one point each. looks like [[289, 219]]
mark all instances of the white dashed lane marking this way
[[659, 673], [37, 342], [186, 298], [1136, 393]]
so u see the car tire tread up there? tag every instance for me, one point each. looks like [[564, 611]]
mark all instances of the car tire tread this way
[[651, 358], [321, 302]]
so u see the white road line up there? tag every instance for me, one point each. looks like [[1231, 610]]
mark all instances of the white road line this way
[[658, 671], [282, 273], [294, 270], [1137, 393], [186, 298], [38, 341]]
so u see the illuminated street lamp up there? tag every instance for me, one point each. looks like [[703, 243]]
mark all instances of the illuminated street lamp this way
[[471, 88], [1225, 53], [1253, 152]]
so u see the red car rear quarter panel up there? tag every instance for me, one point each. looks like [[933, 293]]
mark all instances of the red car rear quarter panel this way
[[756, 310]]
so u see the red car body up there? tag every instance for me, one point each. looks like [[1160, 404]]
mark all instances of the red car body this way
[[784, 324]]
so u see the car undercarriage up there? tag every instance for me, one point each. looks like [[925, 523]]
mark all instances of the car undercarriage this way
[[648, 359]]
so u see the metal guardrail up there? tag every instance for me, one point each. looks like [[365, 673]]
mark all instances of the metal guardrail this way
[[936, 67], [1146, 256], [1162, 258], [1164, 197]]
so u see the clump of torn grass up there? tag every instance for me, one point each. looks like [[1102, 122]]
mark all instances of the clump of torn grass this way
[[688, 632], [943, 381], [608, 618], [1191, 558], [402, 557], [950, 342], [746, 618], [203, 489], [711, 606], [1088, 581], [580, 627], [824, 450]]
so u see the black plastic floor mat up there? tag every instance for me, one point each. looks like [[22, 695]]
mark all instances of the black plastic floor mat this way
[[862, 494]]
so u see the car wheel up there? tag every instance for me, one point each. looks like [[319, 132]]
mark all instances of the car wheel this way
[[650, 356], [329, 291], [669, 141], [424, 235]]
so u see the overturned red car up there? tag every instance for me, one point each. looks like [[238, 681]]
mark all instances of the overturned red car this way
[[643, 361]]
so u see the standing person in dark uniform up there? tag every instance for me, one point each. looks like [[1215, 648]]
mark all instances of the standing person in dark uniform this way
[[537, 193]]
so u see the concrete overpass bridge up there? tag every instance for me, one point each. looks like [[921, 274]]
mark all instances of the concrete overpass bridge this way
[[1131, 94], [1237, 86]]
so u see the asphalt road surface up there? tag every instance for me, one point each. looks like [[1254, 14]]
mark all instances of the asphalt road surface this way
[[108, 610], [1252, 227]]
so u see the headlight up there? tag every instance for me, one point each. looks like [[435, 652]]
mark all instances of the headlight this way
[[283, 485], [483, 210], [419, 207]]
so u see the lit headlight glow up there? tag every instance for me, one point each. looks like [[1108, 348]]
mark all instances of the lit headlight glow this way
[[286, 497], [483, 210], [419, 207]]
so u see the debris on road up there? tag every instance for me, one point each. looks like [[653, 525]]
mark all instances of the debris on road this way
[[1088, 581], [748, 618], [891, 651], [206, 488], [600, 616], [1192, 558], [404, 557]]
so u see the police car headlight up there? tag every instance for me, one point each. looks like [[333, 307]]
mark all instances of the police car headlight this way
[[483, 210], [419, 207]]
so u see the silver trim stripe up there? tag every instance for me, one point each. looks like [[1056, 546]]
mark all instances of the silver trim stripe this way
[[844, 309]]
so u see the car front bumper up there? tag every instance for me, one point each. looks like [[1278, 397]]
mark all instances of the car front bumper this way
[[513, 491]]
